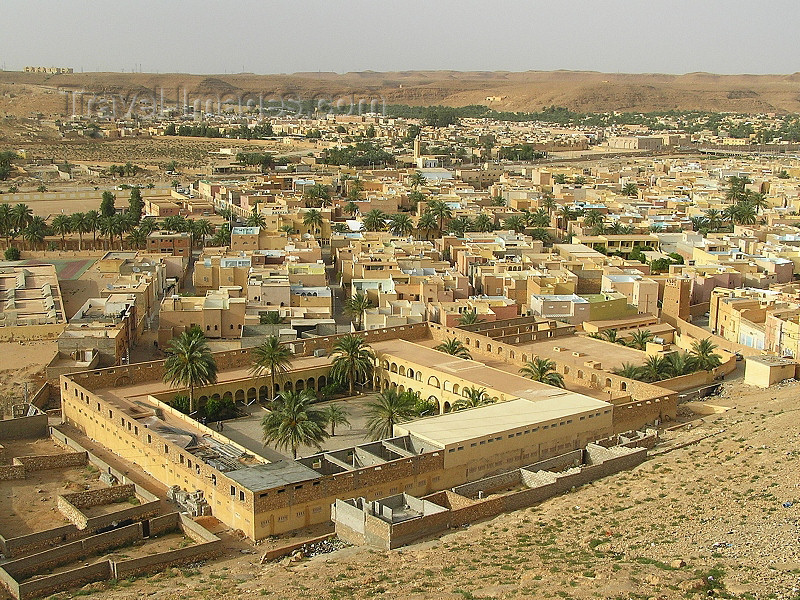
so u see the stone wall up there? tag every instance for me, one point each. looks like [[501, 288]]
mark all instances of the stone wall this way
[[542, 484], [10, 472], [107, 495], [34, 426], [208, 546], [62, 581], [43, 462], [27, 566]]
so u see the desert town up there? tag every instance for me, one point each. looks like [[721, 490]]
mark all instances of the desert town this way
[[325, 337]]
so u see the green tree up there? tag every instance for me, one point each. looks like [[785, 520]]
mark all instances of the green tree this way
[[356, 305], [703, 352], [681, 363], [6, 221], [21, 216], [93, 224], [292, 422], [389, 409], [454, 347], [137, 238], [107, 208], [515, 223], [313, 220], [335, 416], [375, 220], [352, 359], [135, 204], [560, 178], [469, 317], [544, 371], [630, 189], [441, 211], [190, 363], [427, 223], [629, 371], [610, 335], [271, 358], [473, 398], [80, 226], [270, 317], [11, 253], [655, 369], [256, 219], [400, 224], [417, 180], [593, 218], [61, 226], [640, 338], [351, 208], [483, 223]]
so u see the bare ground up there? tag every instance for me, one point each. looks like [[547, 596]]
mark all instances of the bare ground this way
[[716, 504]]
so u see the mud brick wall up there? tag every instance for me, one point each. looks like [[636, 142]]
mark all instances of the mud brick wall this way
[[141, 512], [414, 529], [478, 511], [43, 462], [194, 531], [62, 581]]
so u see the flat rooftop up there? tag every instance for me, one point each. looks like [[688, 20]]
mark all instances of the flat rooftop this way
[[476, 373], [267, 476], [463, 425]]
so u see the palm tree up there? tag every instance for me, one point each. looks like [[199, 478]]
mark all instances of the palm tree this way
[[61, 225], [630, 189], [356, 305], [79, 226], [375, 220], [389, 409], [655, 368], [292, 423], [440, 210], [352, 358], [313, 220], [454, 347], [593, 218], [21, 216], [190, 362], [610, 335], [401, 224], [541, 234], [417, 179], [256, 219], [202, 229], [272, 358], [757, 201], [565, 215], [35, 232], [427, 223], [6, 221], [548, 203], [514, 222], [737, 188], [703, 351], [714, 218], [351, 208], [469, 318], [473, 398], [629, 371], [459, 226], [699, 223], [93, 224], [543, 370], [335, 415], [483, 222], [640, 339], [222, 236], [539, 218], [137, 238], [745, 214], [681, 363]]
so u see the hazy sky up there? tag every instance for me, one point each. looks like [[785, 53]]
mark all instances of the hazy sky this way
[[216, 36]]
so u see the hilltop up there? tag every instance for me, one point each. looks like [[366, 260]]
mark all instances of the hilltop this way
[[22, 93]]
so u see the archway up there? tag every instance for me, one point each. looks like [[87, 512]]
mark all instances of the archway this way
[[411, 373], [322, 381], [240, 395], [310, 383], [447, 407], [300, 385], [402, 371], [432, 380]]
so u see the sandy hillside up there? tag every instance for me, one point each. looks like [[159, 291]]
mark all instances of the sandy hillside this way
[[22, 93], [720, 514]]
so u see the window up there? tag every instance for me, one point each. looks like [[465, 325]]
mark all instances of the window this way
[[166, 449], [241, 496], [233, 490]]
